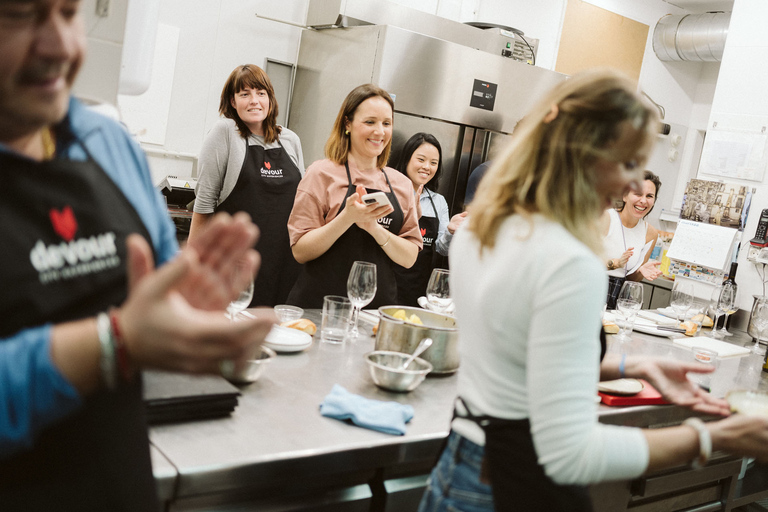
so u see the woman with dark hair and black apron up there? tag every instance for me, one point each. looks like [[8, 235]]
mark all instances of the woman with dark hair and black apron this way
[[331, 228], [421, 161], [249, 163]]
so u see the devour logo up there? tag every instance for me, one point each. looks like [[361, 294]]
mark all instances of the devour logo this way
[[72, 257]]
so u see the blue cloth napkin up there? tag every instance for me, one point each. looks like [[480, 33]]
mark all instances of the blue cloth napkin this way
[[387, 417]]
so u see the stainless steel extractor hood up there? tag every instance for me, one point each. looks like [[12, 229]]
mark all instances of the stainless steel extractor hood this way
[[350, 13]]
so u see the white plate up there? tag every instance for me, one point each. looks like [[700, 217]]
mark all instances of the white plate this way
[[621, 386], [668, 312], [657, 318], [642, 325], [285, 339]]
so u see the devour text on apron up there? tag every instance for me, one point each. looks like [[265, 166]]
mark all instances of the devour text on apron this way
[[327, 274], [265, 189], [64, 258]]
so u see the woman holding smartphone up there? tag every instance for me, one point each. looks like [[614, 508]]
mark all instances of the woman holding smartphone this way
[[421, 161], [331, 227]]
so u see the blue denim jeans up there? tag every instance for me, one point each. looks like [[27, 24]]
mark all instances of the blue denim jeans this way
[[454, 484]]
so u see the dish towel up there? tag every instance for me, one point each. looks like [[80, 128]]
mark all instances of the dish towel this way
[[387, 417]]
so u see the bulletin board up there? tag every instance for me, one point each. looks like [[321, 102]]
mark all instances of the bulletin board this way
[[594, 37]]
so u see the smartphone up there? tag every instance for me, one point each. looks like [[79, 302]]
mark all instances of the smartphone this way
[[377, 197]]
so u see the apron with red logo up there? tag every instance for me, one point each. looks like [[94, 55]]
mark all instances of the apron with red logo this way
[[64, 258], [327, 274], [412, 282], [266, 189]]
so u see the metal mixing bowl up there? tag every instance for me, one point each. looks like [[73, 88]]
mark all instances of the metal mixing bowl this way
[[386, 370], [254, 367]]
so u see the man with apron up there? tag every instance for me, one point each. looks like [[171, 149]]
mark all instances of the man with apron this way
[[265, 189], [75, 186], [412, 282], [327, 274]]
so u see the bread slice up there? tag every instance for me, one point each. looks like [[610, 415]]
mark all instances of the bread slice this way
[[302, 324], [610, 327]]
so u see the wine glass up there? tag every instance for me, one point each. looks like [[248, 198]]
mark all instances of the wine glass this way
[[760, 321], [721, 301], [361, 289], [682, 298], [731, 310], [438, 290], [629, 302], [243, 281]]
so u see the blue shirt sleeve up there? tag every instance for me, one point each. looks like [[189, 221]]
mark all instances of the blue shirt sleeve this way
[[34, 393]]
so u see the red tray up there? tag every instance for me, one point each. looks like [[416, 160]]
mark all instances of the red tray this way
[[648, 396]]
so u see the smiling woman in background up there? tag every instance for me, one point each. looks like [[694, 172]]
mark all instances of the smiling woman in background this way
[[331, 227], [627, 234], [249, 163], [421, 161]]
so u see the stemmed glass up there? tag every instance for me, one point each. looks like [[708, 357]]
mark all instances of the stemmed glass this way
[[723, 299], [731, 310], [246, 293], [760, 321], [361, 289], [629, 302], [682, 298], [438, 290]]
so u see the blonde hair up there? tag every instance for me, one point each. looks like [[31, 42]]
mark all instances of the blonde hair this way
[[549, 166], [338, 144]]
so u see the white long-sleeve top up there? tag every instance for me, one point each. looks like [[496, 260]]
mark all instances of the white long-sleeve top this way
[[443, 239], [528, 313]]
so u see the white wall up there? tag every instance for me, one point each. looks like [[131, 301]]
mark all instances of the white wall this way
[[741, 103]]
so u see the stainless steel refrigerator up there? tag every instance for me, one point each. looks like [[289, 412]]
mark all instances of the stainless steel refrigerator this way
[[469, 99]]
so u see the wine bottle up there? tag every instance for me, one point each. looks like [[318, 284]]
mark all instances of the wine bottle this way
[[732, 273]]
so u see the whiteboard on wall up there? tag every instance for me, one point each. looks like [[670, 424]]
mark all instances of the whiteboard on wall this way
[[146, 115], [735, 154]]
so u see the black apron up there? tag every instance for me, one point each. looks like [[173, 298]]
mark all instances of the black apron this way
[[328, 273], [517, 479], [412, 282], [265, 190], [64, 258]]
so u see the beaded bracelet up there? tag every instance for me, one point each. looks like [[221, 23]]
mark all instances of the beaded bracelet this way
[[107, 360], [705, 442]]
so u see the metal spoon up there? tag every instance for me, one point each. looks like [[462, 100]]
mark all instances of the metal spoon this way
[[423, 345]]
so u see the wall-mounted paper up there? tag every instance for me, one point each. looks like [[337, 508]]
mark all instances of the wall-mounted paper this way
[[735, 154], [702, 244]]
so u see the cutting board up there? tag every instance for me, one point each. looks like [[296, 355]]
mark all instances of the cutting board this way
[[723, 348], [648, 396]]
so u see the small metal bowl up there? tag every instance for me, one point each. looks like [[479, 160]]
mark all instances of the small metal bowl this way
[[387, 373], [253, 368], [287, 313]]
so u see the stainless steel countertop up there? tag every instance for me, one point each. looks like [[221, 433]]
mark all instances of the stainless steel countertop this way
[[277, 433], [277, 429]]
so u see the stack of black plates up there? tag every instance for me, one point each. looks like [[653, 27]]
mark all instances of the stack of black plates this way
[[177, 397]]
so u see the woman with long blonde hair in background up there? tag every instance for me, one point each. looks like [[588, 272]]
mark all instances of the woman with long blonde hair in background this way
[[529, 286]]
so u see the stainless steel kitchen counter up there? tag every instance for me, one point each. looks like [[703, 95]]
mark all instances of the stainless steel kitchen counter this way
[[276, 438]]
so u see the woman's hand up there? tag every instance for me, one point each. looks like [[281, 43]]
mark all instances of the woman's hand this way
[[669, 378], [650, 270], [456, 221], [742, 435], [365, 216], [625, 257]]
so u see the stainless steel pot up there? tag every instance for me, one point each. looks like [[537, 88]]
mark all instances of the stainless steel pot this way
[[399, 336]]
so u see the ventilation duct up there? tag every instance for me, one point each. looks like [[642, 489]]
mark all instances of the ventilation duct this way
[[693, 37]]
